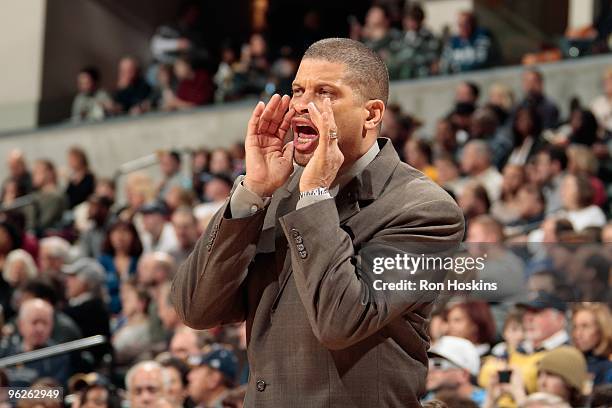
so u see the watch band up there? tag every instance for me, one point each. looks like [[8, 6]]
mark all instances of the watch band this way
[[315, 192]]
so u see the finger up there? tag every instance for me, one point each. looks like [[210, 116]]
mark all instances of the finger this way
[[255, 117], [317, 118], [331, 121], [288, 152], [286, 124], [268, 114], [280, 112]]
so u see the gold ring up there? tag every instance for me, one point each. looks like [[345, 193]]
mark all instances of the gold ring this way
[[333, 134]]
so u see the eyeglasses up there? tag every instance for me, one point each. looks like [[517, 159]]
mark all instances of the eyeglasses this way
[[441, 364]]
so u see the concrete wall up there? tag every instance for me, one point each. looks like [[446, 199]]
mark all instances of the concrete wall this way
[[116, 141], [21, 42]]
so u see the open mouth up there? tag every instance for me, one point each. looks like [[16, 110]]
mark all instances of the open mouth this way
[[305, 133]]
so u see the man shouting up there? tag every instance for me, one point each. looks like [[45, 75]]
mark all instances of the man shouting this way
[[285, 252]]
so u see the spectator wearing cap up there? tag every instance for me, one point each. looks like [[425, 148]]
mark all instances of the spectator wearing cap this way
[[99, 213], [158, 234], [476, 163], [471, 49], [120, 252], [453, 365], [415, 53], [216, 190], [145, 384], [592, 335], [212, 377], [85, 282], [91, 102], [35, 324], [535, 98], [170, 166]]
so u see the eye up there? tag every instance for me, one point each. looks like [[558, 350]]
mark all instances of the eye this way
[[297, 91], [325, 92]]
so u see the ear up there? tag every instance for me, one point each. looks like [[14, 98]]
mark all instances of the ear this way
[[375, 110]]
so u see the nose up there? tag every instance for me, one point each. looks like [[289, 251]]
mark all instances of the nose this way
[[300, 102]]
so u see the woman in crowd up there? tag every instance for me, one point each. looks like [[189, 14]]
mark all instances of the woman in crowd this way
[[577, 200], [81, 183], [592, 335], [581, 159], [472, 320], [121, 250], [132, 337], [221, 162], [505, 209], [526, 130]]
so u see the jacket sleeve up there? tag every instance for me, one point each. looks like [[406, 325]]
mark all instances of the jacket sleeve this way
[[209, 287], [341, 302]]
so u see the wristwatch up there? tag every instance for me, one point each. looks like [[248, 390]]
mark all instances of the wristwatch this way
[[319, 191]]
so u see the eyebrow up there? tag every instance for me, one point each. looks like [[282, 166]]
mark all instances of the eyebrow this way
[[323, 83]]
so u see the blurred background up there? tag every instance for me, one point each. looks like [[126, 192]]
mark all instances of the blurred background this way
[[121, 126]]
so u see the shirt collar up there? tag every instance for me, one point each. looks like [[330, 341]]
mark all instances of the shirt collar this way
[[357, 167]]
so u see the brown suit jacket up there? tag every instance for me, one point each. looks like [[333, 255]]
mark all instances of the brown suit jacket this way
[[318, 334]]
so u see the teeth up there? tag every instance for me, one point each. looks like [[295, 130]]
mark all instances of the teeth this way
[[303, 140]]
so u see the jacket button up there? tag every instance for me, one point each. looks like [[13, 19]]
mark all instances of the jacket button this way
[[298, 240], [295, 232], [300, 247], [260, 385], [303, 254]]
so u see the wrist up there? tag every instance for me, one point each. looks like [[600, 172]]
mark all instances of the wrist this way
[[255, 188], [317, 191]]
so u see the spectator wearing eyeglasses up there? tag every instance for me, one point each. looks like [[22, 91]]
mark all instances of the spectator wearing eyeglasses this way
[[453, 365]]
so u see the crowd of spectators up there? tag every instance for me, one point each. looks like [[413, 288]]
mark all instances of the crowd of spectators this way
[[182, 73], [535, 191], [80, 259]]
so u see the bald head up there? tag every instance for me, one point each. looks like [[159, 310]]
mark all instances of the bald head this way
[[35, 323], [365, 70]]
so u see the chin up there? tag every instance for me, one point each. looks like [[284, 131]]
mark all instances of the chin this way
[[302, 159]]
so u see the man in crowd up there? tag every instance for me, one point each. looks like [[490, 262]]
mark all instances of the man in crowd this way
[[453, 363], [415, 54], [287, 265], [132, 89], [35, 323], [184, 343], [145, 384], [470, 50], [550, 164], [212, 377], [186, 229], [18, 170], [99, 213], [476, 163], [533, 87], [170, 166], [158, 234]]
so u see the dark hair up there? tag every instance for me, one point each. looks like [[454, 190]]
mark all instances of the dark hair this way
[[480, 193], [93, 73], [536, 124], [415, 12], [42, 288], [13, 234], [366, 70], [601, 396], [536, 72], [113, 400], [136, 246], [479, 313], [474, 88], [586, 134], [424, 148], [226, 179], [555, 154], [601, 265], [49, 166], [178, 365]]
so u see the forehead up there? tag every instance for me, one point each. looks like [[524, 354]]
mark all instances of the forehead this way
[[313, 70]]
